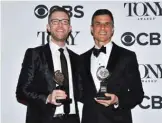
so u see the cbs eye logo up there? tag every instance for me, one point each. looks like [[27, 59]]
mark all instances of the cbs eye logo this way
[[128, 38], [41, 11], [142, 39]]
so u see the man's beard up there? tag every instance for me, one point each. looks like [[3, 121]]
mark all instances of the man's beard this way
[[56, 38]]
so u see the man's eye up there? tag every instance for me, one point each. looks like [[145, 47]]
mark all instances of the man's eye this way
[[65, 21], [55, 21], [97, 24], [107, 24]]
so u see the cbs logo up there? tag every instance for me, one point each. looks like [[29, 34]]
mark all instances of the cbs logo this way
[[41, 11], [128, 38], [151, 102]]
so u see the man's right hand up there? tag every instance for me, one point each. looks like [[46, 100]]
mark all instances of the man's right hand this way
[[56, 94], [113, 101]]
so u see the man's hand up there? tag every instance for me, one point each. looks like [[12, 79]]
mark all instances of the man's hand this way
[[56, 94], [112, 101]]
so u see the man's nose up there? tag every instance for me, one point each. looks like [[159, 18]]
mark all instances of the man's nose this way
[[60, 23], [102, 26]]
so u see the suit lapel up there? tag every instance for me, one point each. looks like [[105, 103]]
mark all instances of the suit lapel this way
[[114, 55], [49, 69], [48, 55], [72, 61]]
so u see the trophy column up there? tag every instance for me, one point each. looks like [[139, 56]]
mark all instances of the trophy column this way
[[103, 75]]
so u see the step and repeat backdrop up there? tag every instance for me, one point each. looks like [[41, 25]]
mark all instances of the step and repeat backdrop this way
[[138, 27]]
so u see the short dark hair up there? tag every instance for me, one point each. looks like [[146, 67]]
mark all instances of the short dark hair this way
[[58, 9], [102, 12]]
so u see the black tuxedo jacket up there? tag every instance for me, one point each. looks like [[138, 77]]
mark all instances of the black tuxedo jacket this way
[[36, 83], [124, 82]]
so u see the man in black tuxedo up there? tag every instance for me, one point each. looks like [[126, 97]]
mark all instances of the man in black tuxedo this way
[[39, 85], [124, 85]]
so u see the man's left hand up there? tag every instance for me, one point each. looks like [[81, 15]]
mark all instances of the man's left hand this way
[[112, 101]]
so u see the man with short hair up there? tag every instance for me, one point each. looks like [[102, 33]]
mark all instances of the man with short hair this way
[[45, 69], [123, 84]]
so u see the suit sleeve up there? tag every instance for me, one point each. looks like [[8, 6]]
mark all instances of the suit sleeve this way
[[25, 92], [134, 94]]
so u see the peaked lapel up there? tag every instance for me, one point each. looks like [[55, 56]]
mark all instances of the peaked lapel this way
[[72, 62], [49, 67], [48, 56], [114, 55], [74, 72], [73, 69]]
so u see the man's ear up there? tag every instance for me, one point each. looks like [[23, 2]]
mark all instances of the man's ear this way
[[112, 31], [70, 29], [48, 29], [91, 30]]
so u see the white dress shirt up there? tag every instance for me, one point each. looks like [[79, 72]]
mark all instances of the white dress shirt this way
[[57, 66], [101, 60]]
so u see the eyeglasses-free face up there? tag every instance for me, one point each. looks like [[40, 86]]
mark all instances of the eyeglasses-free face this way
[[102, 29], [105, 24]]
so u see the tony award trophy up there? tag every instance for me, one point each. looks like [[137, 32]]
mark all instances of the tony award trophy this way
[[103, 75], [59, 79]]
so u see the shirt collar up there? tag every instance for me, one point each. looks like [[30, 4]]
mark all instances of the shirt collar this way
[[54, 47], [108, 46]]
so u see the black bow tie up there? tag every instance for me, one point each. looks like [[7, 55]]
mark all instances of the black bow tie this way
[[96, 52]]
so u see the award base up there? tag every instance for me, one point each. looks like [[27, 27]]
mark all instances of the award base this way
[[63, 101], [103, 98]]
